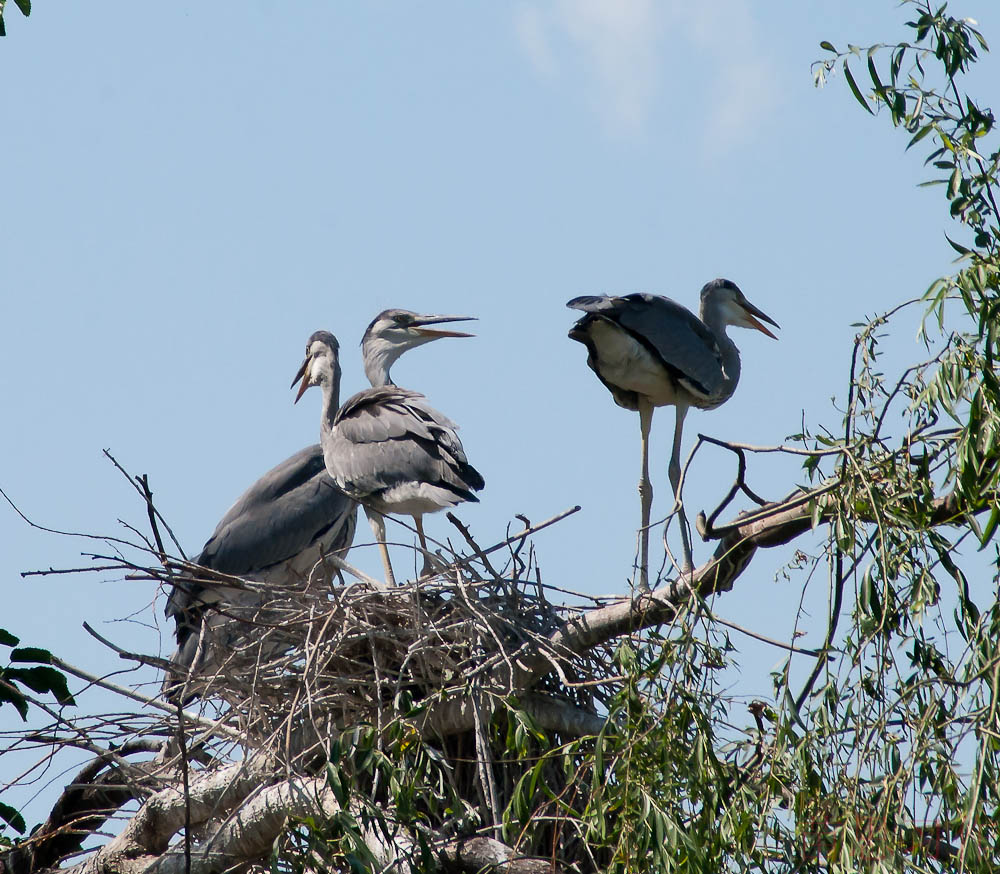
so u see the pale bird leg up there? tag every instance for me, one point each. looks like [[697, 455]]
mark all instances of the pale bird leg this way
[[645, 494], [675, 480], [378, 528], [428, 567]]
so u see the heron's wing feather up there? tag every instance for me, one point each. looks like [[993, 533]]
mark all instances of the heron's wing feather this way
[[292, 508], [389, 436], [289, 508], [670, 331]]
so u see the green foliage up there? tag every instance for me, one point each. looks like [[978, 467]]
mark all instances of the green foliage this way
[[41, 679], [884, 752], [23, 5], [369, 776], [657, 789], [12, 818], [900, 752]]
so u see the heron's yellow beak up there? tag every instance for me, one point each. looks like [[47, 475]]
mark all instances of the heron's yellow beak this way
[[755, 324], [435, 333], [304, 376], [752, 311], [420, 323]]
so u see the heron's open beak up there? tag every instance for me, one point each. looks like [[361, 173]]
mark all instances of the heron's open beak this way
[[433, 333], [752, 311], [305, 380]]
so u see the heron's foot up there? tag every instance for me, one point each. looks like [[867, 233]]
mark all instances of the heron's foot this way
[[433, 565], [687, 564], [642, 580]]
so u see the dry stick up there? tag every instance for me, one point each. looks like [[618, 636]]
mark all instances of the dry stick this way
[[788, 450], [739, 485], [213, 727], [152, 661], [484, 765], [46, 844], [531, 529], [185, 785], [815, 653], [515, 554], [94, 568], [795, 499], [38, 527], [147, 496], [81, 741], [464, 530]]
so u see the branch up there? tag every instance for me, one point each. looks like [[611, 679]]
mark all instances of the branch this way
[[561, 717], [487, 854], [211, 726], [773, 524], [249, 832], [98, 790], [147, 835]]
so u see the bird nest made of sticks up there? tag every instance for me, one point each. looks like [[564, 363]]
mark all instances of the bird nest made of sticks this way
[[333, 655]]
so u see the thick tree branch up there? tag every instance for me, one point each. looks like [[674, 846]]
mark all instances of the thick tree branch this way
[[489, 855], [147, 835], [773, 524], [99, 789]]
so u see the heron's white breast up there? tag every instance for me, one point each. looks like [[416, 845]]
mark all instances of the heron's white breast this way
[[414, 499], [626, 363]]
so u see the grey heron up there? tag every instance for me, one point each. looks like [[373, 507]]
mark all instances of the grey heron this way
[[386, 447], [276, 531], [650, 351]]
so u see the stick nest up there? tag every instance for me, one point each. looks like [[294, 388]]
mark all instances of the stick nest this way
[[334, 655]]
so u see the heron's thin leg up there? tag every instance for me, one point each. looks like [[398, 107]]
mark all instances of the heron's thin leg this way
[[428, 567], [645, 493], [378, 527], [675, 480]]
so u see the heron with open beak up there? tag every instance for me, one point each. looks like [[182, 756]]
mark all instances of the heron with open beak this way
[[386, 447]]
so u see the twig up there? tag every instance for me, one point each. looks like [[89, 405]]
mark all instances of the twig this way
[[815, 653], [531, 529], [215, 727], [38, 527], [152, 661], [463, 529], [147, 495], [141, 485]]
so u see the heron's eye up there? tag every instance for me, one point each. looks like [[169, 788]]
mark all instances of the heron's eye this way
[[403, 321]]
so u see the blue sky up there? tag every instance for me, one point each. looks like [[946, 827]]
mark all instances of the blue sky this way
[[189, 191]]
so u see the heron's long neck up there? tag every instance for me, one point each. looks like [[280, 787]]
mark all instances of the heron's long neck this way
[[331, 400], [730, 354], [379, 356]]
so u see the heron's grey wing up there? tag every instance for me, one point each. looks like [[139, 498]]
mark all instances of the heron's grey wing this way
[[287, 510], [291, 508], [389, 436], [671, 332]]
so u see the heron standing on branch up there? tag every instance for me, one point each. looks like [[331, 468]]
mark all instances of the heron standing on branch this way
[[651, 352], [386, 447]]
